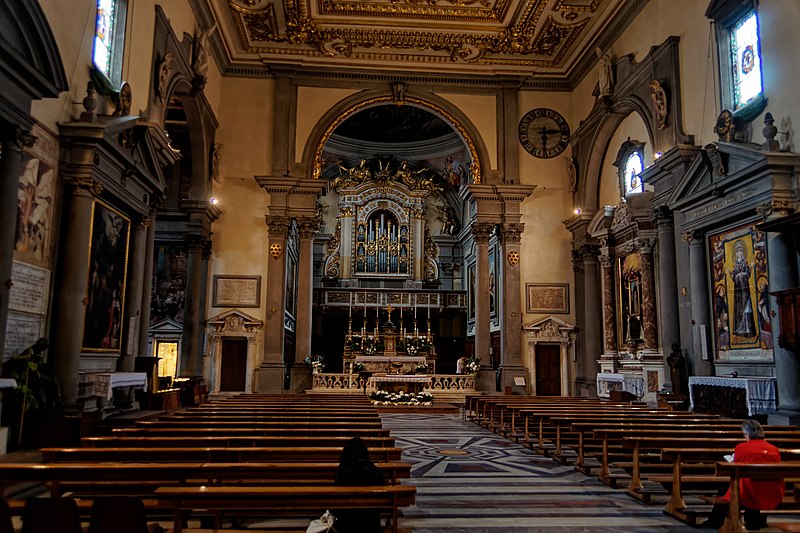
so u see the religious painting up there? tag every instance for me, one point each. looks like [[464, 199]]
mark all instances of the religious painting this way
[[35, 201], [740, 297], [291, 285], [630, 299], [492, 281], [471, 288], [552, 298], [105, 295], [169, 283]]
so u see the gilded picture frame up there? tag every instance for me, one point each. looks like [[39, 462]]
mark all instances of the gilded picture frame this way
[[107, 275], [550, 298]]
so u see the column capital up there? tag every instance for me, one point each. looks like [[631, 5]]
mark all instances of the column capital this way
[[663, 218], [206, 248], [145, 221], [196, 241], [692, 236], [85, 183], [512, 233], [278, 226], [778, 208], [481, 232], [606, 259], [645, 246], [307, 227], [588, 253], [346, 211], [16, 138]]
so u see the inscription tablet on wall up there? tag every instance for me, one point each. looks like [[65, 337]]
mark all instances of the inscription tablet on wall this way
[[29, 291], [21, 331]]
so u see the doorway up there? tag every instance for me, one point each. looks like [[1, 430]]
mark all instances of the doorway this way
[[233, 369], [548, 370]]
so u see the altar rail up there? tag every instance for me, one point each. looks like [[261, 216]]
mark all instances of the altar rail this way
[[443, 387]]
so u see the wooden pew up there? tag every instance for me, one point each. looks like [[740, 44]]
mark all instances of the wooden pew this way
[[102, 478], [143, 441], [210, 454], [735, 471], [311, 423], [289, 431], [293, 501]]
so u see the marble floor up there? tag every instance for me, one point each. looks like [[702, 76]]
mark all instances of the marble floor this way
[[471, 480]]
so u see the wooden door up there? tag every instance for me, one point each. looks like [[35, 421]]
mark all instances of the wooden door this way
[[233, 369], [548, 370]]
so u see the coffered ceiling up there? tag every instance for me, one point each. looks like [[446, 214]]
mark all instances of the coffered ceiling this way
[[550, 38]]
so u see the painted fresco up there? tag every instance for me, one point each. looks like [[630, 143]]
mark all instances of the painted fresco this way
[[169, 283], [740, 281], [108, 261], [492, 281], [630, 299], [471, 288]]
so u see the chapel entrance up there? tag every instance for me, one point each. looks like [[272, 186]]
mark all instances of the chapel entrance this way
[[548, 370], [233, 369]]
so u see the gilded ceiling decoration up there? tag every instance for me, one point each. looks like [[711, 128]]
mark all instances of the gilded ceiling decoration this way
[[490, 36]]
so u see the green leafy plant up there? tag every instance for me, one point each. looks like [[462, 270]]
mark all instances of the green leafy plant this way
[[35, 383]]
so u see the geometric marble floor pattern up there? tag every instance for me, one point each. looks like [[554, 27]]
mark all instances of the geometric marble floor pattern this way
[[470, 480]]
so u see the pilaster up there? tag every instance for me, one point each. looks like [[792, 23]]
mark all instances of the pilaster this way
[[481, 231], [698, 285], [511, 307]]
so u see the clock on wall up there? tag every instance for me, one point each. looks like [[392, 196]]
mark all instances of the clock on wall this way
[[543, 133]]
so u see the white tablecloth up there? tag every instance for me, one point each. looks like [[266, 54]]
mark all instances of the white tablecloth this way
[[101, 384], [626, 381], [759, 392]]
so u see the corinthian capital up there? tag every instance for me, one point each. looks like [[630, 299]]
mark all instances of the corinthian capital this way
[[512, 233], [278, 225], [663, 218], [481, 231], [691, 236], [307, 227]]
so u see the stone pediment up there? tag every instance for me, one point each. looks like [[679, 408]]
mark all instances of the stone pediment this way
[[234, 322], [549, 329], [166, 326]]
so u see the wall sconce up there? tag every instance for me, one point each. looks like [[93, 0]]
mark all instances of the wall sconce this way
[[213, 200], [577, 210]]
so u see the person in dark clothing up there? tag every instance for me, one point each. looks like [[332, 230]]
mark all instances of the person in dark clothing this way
[[356, 469]]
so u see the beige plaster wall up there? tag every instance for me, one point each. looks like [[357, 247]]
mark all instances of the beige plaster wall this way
[[73, 22], [632, 127], [245, 127], [312, 104], [481, 110], [240, 235], [546, 241]]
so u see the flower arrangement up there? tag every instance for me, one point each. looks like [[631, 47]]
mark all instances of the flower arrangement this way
[[314, 362], [472, 365], [421, 369], [355, 342], [414, 345], [401, 398], [359, 367], [370, 345]]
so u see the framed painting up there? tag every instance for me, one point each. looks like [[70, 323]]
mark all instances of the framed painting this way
[[237, 291], [547, 298], [740, 294], [108, 265], [169, 283], [493, 281], [630, 299]]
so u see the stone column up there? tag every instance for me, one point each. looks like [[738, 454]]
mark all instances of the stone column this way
[[511, 307], [73, 279], [147, 288], [667, 279], [481, 232], [581, 382], [610, 351], [345, 242], [782, 254], [649, 327], [698, 285], [191, 361], [12, 163], [592, 322], [269, 375], [308, 227], [133, 296]]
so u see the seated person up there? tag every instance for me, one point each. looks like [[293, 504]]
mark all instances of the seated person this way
[[754, 494], [355, 469]]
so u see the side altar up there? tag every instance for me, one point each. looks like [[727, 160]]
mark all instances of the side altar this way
[[389, 352]]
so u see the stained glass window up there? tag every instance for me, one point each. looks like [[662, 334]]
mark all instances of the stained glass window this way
[[745, 60], [633, 168]]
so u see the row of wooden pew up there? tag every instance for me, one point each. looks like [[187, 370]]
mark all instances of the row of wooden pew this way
[[654, 454], [239, 458]]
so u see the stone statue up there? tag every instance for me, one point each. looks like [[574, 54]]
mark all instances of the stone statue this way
[[677, 370], [216, 154], [659, 98], [448, 219], [122, 101], [200, 63], [605, 75], [164, 71], [572, 173]]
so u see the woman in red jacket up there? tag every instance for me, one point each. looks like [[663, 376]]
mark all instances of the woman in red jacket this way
[[754, 494]]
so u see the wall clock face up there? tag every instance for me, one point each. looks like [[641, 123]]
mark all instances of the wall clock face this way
[[543, 133]]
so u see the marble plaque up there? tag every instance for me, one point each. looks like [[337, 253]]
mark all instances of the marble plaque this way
[[237, 291], [29, 292], [22, 330], [547, 298]]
